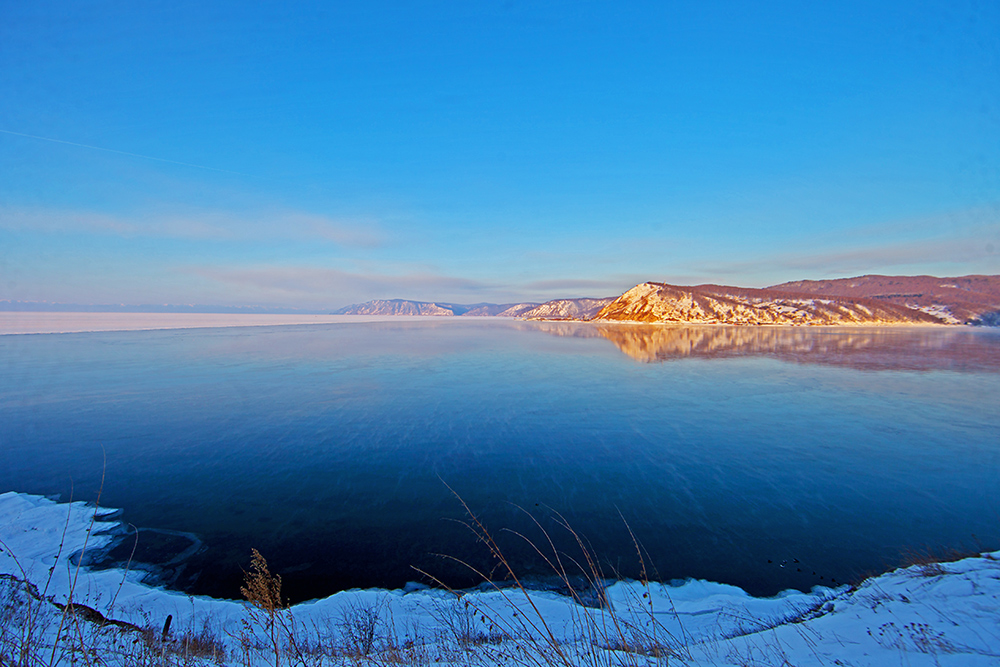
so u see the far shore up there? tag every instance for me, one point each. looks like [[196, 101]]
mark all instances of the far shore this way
[[34, 322], [18, 322]]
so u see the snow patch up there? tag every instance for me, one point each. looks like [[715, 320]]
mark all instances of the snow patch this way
[[939, 311]]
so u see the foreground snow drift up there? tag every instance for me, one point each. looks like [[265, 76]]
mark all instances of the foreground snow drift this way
[[937, 614]]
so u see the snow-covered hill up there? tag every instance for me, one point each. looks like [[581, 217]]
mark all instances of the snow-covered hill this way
[[717, 304], [567, 309]]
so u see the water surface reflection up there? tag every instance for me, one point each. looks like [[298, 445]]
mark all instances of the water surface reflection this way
[[884, 348]]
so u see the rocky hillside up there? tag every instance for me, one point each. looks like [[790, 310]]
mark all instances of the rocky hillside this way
[[718, 304], [567, 309], [516, 310], [960, 300]]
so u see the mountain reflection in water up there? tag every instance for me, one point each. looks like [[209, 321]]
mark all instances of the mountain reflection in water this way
[[886, 348]]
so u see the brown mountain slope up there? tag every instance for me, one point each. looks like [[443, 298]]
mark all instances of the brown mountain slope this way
[[965, 299], [720, 304]]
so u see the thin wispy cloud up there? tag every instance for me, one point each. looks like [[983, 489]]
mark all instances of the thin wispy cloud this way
[[581, 287], [316, 285], [367, 234], [930, 251], [48, 221], [974, 220], [198, 225], [966, 240], [854, 261], [333, 286], [119, 152]]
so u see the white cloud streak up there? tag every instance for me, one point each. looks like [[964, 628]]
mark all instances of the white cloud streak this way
[[114, 150], [201, 225], [334, 286], [979, 250]]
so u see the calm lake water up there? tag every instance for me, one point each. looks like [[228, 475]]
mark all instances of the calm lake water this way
[[329, 447]]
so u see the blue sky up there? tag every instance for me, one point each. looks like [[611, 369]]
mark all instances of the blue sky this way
[[251, 153]]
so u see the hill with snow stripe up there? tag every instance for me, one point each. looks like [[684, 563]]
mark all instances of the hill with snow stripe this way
[[719, 304]]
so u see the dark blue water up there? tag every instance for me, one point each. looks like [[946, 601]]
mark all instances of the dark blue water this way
[[328, 447]]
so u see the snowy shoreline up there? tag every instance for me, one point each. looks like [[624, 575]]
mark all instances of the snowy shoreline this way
[[933, 614]]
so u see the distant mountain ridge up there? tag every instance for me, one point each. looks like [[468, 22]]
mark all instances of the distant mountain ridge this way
[[407, 307], [557, 309], [871, 299]]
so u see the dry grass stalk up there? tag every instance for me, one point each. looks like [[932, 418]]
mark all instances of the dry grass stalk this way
[[263, 591], [261, 588]]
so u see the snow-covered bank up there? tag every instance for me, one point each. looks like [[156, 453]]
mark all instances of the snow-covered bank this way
[[942, 614]]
